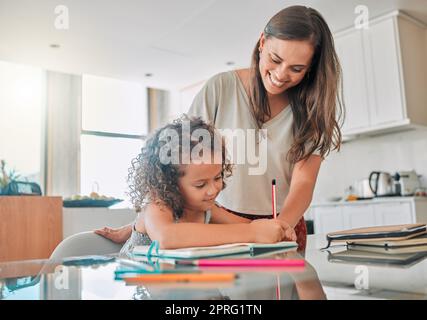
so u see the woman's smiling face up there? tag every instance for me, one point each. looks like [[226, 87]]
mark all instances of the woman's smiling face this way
[[283, 63]]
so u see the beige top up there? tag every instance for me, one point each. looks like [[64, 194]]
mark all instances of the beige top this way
[[224, 102]]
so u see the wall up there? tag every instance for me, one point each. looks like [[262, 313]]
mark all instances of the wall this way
[[392, 152]]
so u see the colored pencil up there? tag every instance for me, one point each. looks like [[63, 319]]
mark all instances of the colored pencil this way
[[246, 262], [190, 277]]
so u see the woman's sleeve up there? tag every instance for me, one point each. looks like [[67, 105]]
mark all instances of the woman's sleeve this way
[[308, 145], [206, 102]]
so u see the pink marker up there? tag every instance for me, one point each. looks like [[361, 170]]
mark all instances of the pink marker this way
[[246, 263]]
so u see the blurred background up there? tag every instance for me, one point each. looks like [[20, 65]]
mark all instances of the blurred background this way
[[82, 84]]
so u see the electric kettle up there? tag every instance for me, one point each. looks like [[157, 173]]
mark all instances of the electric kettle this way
[[381, 184]]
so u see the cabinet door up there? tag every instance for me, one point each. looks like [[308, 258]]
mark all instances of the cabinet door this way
[[395, 213], [360, 216], [328, 219], [351, 54], [383, 63]]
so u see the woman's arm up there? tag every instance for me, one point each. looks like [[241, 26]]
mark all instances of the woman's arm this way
[[307, 284], [300, 194]]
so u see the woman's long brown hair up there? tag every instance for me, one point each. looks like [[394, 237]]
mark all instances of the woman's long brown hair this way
[[316, 101]]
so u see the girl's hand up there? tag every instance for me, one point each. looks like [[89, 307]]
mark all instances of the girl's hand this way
[[290, 234], [272, 230], [118, 235]]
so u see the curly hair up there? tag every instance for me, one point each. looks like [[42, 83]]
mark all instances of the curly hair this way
[[152, 180]]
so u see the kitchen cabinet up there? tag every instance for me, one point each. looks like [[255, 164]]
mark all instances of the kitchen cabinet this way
[[77, 220], [350, 51], [330, 217], [30, 227], [360, 216], [390, 213], [384, 75]]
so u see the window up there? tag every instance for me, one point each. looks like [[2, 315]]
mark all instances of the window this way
[[114, 125], [22, 110]]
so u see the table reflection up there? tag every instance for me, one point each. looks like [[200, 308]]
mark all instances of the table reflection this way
[[54, 281]]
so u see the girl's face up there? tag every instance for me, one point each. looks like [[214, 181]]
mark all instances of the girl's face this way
[[283, 63], [200, 185]]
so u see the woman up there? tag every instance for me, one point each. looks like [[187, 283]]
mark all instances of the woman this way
[[292, 91]]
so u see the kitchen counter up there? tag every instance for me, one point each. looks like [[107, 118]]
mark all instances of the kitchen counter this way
[[369, 201], [77, 220], [342, 215]]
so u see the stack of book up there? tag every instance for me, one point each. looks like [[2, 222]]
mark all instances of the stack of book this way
[[401, 245]]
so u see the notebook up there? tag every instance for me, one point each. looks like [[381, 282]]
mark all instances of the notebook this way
[[388, 250], [374, 234], [214, 251], [416, 244], [415, 241], [374, 258]]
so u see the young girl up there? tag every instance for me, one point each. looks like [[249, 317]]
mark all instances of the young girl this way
[[176, 199]]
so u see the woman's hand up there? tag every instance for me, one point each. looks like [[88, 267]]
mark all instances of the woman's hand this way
[[272, 230], [118, 235]]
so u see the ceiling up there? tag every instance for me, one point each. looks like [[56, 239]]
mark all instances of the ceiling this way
[[179, 42]]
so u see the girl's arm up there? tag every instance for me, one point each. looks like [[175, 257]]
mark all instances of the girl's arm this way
[[160, 226], [304, 178], [120, 235], [117, 235]]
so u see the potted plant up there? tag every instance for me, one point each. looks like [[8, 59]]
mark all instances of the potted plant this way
[[6, 177]]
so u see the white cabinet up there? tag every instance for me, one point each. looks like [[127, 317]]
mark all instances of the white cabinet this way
[[328, 219], [350, 51], [384, 75], [386, 87], [342, 216], [360, 216], [390, 213]]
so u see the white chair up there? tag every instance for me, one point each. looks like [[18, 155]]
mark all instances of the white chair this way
[[83, 244]]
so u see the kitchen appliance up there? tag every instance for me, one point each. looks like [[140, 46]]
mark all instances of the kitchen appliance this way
[[16, 188], [408, 181], [361, 189], [382, 184]]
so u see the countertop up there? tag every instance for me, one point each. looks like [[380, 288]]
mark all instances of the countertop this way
[[369, 201], [322, 277]]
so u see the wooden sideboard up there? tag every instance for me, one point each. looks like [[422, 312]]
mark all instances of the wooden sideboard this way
[[30, 227]]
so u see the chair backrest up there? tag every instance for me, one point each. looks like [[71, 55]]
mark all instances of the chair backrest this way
[[84, 243]]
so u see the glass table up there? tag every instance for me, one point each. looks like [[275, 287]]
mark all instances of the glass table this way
[[327, 274]]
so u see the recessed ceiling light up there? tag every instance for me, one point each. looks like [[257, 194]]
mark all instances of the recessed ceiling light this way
[[148, 75], [229, 63], [54, 46]]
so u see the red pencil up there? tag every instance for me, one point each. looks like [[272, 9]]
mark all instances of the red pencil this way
[[273, 198]]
